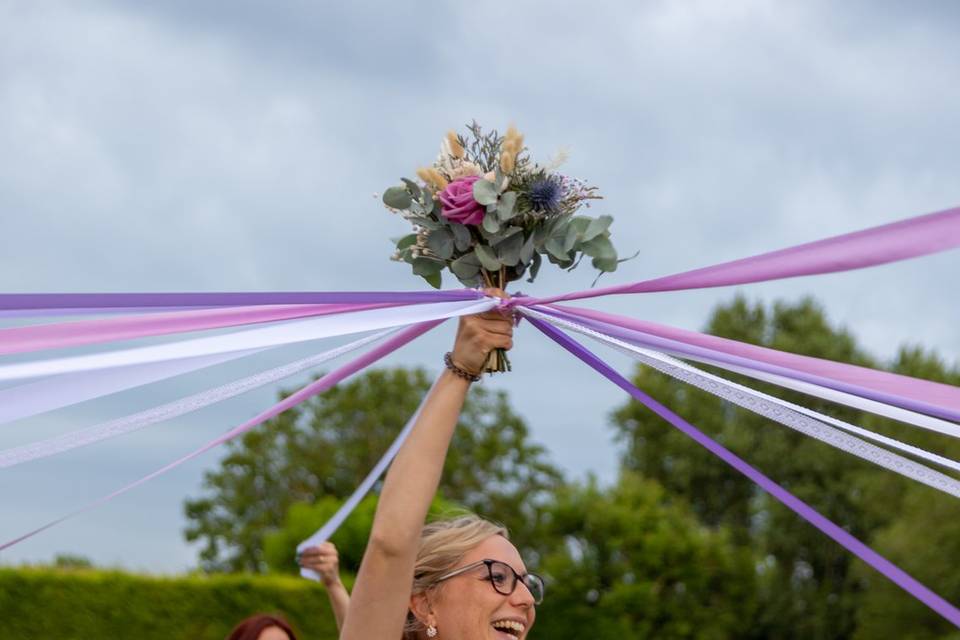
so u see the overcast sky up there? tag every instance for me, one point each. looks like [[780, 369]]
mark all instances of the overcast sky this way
[[184, 146]]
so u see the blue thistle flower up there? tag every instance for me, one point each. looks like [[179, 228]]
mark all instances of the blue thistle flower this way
[[545, 194]]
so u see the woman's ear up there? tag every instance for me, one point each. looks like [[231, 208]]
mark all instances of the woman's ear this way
[[421, 608]]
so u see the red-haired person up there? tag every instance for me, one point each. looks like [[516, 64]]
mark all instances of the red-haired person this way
[[263, 627]]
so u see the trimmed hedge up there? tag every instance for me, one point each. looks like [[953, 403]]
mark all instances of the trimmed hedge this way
[[57, 604]]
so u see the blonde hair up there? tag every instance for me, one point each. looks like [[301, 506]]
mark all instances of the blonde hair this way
[[443, 544]]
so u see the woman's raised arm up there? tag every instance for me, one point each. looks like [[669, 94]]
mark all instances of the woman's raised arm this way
[[381, 595]]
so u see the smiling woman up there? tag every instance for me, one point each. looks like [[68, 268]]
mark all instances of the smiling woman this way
[[458, 579]]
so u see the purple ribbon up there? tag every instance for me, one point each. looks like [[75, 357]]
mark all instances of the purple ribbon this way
[[894, 573], [87, 301], [924, 396], [901, 240]]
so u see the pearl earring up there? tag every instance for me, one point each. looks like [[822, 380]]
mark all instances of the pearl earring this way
[[431, 631]]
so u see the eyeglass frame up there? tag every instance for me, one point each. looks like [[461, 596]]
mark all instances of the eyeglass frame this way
[[517, 578]]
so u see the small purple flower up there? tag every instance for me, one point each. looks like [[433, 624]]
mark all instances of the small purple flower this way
[[458, 203], [545, 194]]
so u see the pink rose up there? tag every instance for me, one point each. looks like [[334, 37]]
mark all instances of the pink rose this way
[[458, 203]]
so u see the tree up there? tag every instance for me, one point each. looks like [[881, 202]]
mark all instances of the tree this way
[[807, 587], [631, 562], [324, 447]]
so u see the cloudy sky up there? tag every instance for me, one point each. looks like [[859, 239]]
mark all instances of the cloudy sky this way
[[183, 146]]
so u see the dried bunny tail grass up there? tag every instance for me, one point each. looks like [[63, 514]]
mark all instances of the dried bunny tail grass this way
[[507, 161], [456, 149], [432, 177]]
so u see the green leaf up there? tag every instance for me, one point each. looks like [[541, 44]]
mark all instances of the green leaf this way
[[490, 224], [485, 192], [425, 221], [435, 280], [507, 232], [428, 203], [441, 243], [535, 267], [426, 267], [505, 208], [397, 198], [600, 247], [412, 187], [461, 236], [406, 241], [466, 266], [528, 249], [554, 247], [605, 264], [487, 257], [508, 251], [597, 226], [575, 231]]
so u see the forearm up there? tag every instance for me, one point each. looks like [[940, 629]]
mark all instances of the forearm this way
[[339, 602], [414, 475], [381, 595]]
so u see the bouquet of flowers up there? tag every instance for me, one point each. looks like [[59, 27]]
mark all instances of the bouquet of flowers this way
[[490, 215]]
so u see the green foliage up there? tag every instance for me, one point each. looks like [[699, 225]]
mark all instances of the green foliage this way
[[326, 446], [630, 563], [82, 604], [351, 538]]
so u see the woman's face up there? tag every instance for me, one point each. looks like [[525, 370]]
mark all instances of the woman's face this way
[[273, 633], [467, 606]]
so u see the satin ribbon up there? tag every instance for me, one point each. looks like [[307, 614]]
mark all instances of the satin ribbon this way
[[87, 301], [687, 344], [73, 334], [307, 392], [168, 411], [806, 421], [910, 238], [805, 511], [271, 336]]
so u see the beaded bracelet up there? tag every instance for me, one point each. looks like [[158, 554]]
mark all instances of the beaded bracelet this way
[[466, 375]]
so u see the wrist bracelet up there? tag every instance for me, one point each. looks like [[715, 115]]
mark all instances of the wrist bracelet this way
[[457, 371]]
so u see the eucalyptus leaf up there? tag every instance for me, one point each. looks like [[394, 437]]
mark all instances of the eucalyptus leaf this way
[[535, 266], [527, 250], [554, 247], [490, 223], [412, 187], [441, 243], [466, 266], [508, 251], [424, 221], [597, 226], [605, 264], [461, 236], [487, 257], [397, 198], [435, 280], [505, 233], [485, 192], [600, 247], [426, 267], [575, 231], [428, 203], [406, 241], [506, 206]]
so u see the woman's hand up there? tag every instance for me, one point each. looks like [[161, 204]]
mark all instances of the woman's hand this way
[[324, 560], [480, 334]]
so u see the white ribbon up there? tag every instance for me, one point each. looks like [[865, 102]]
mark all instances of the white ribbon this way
[[271, 336], [83, 437], [805, 421]]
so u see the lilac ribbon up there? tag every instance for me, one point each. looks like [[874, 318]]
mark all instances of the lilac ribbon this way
[[307, 392], [923, 396], [901, 240], [894, 573], [72, 334], [86, 301]]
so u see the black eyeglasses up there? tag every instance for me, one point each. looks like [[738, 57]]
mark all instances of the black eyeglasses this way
[[503, 578]]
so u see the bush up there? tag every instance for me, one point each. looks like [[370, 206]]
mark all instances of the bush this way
[[79, 604]]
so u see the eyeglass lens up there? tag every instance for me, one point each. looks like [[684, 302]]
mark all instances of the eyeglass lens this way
[[504, 580]]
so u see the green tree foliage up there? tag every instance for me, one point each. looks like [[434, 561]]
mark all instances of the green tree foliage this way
[[629, 562], [807, 588], [325, 446]]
